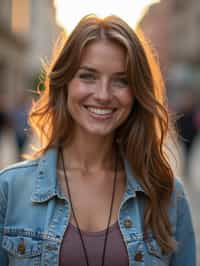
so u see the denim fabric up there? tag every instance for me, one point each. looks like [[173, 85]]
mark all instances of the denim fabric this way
[[34, 215]]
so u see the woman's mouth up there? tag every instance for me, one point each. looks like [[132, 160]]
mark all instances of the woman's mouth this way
[[101, 112]]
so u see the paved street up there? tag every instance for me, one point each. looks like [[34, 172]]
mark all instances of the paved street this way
[[192, 183]]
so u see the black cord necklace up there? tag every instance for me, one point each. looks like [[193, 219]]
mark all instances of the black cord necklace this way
[[75, 218]]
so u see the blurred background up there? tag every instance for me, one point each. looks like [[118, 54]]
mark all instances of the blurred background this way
[[28, 31]]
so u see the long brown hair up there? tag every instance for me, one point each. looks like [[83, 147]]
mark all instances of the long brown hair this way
[[142, 137]]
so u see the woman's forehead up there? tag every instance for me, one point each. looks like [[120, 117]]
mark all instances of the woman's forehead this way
[[104, 54]]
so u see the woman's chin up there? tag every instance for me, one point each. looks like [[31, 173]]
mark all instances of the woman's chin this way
[[97, 132]]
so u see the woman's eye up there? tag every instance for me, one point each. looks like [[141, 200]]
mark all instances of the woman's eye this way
[[121, 81], [87, 76]]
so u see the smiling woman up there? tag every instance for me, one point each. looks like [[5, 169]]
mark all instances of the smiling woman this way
[[100, 190], [99, 96]]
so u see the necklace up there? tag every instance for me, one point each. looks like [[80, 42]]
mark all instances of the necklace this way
[[75, 218]]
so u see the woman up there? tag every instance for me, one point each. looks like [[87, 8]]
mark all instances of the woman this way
[[100, 190]]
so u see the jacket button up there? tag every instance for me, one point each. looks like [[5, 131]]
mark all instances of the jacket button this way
[[128, 223], [21, 247], [138, 256]]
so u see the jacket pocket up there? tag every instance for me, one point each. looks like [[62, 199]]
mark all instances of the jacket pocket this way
[[23, 251]]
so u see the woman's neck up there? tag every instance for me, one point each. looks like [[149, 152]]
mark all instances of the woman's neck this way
[[90, 154]]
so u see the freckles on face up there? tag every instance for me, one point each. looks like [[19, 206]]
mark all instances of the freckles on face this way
[[99, 96]]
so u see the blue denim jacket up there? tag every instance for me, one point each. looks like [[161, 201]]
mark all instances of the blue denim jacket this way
[[34, 215]]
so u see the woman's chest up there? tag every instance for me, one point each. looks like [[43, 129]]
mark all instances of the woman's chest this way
[[92, 203]]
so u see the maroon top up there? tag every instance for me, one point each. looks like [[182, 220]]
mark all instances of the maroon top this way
[[71, 252]]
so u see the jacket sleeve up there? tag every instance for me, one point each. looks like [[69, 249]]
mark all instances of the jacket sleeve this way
[[185, 253], [3, 255]]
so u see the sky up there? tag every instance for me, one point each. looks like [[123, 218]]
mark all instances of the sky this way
[[68, 14]]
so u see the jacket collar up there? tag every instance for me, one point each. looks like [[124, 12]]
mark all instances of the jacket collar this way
[[46, 182], [46, 185], [133, 185]]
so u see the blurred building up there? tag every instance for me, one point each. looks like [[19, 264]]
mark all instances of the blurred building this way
[[28, 30], [12, 56], [156, 27], [43, 32], [173, 28], [184, 29]]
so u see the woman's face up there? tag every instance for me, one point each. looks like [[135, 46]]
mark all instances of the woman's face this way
[[99, 96]]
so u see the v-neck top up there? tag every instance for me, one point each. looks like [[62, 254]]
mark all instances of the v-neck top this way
[[72, 254]]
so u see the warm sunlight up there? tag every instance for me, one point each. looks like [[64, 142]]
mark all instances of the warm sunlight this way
[[68, 14]]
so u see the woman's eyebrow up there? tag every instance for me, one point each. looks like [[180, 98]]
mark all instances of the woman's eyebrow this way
[[91, 69], [88, 68], [122, 73]]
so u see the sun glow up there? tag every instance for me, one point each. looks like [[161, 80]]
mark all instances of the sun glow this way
[[131, 11]]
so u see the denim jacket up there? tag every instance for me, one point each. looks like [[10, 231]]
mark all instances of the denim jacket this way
[[34, 214]]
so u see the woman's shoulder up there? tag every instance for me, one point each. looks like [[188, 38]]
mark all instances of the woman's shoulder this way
[[179, 188], [20, 169], [21, 172], [179, 195], [180, 208]]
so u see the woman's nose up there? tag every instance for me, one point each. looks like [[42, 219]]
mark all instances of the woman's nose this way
[[103, 92]]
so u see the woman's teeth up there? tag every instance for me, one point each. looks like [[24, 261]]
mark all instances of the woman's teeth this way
[[100, 111]]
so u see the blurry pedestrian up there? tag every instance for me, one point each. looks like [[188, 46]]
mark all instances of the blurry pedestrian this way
[[7, 139], [187, 125], [3, 121], [3, 115], [19, 119], [196, 118], [100, 190]]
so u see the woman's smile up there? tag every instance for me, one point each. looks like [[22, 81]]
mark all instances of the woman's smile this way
[[100, 113]]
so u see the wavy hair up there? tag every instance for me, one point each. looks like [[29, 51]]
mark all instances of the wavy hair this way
[[142, 137]]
